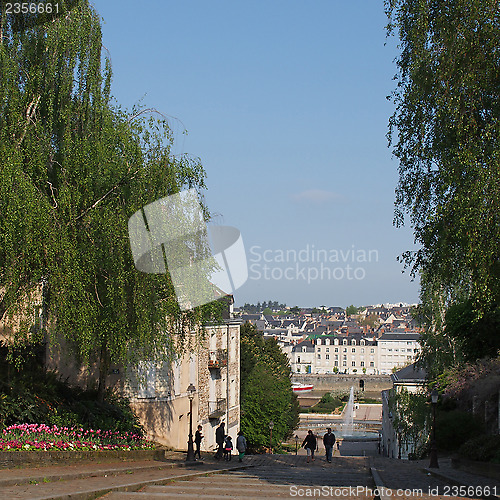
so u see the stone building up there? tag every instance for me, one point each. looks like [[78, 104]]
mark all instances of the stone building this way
[[159, 395]]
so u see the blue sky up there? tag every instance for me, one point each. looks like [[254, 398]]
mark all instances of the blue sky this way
[[285, 103]]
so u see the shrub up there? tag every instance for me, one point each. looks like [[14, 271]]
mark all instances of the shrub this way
[[37, 396], [484, 448], [455, 427]]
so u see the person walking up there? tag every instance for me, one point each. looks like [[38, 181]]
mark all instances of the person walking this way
[[220, 434], [228, 448], [198, 436], [329, 441], [310, 445], [241, 446]]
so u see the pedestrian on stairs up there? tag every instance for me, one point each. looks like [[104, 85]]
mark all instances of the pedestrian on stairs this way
[[198, 436], [241, 445], [228, 448], [329, 441], [220, 434], [310, 445]]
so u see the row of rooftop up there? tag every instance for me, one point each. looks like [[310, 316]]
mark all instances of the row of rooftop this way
[[388, 341]]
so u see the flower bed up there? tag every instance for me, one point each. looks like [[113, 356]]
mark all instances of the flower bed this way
[[40, 437]]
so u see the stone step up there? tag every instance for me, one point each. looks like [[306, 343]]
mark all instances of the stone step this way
[[235, 496]]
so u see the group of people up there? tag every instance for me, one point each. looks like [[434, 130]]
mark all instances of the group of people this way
[[224, 443], [311, 445]]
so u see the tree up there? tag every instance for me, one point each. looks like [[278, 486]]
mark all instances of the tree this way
[[73, 170], [445, 134], [266, 390], [371, 320], [350, 310]]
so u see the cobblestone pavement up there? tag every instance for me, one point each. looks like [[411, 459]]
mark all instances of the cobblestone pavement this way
[[258, 476]]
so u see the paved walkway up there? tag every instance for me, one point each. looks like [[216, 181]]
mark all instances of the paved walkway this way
[[259, 476]]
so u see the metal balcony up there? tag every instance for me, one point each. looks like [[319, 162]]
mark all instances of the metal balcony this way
[[216, 409]]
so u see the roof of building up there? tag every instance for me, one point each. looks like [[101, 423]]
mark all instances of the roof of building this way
[[410, 373], [306, 343], [400, 336]]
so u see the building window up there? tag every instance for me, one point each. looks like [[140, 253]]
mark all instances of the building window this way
[[336, 363], [336, 349], [319, 356], [353, 363], [344, 363], [372, 363], [298, 359], [353, 349], [372, 350], [327, 356], [362, 364], [362, 351], [327, 349]]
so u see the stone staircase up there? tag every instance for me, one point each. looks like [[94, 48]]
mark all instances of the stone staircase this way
[[268, 477]]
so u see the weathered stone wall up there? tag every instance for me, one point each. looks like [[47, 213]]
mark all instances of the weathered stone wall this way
[[374, 384], [12, 459]]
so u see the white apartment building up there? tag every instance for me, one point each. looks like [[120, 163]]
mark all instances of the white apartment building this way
[[354, 354], [396, 350]]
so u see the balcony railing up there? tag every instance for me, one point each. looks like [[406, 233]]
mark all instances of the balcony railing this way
[[217, 408], [217, 359]]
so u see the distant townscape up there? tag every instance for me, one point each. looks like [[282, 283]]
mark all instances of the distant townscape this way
[[373, 340]]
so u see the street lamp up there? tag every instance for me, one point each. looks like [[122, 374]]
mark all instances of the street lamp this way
[[271, 425], [296, 443], [400, 430], [190, 454], [434, 458]]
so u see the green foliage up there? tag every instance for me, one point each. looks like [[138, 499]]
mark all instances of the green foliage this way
[[445, 134], [483, 448], [330, 402], [266, 391], [479, 337], [474, 388], [73, 169], [34, 396], [411, 414], [350, 310], [454, 427]]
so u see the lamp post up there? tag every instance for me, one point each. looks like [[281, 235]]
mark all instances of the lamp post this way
[[271, 425], [399, 442], [296, 443], [190, 454], [434, 458]]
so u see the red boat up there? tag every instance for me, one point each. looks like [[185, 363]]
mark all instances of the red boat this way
[[301, 388]]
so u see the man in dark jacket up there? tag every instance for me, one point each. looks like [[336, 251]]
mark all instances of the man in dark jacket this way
[[329, 441], [310, 444], [198, 436], [220, 436]]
